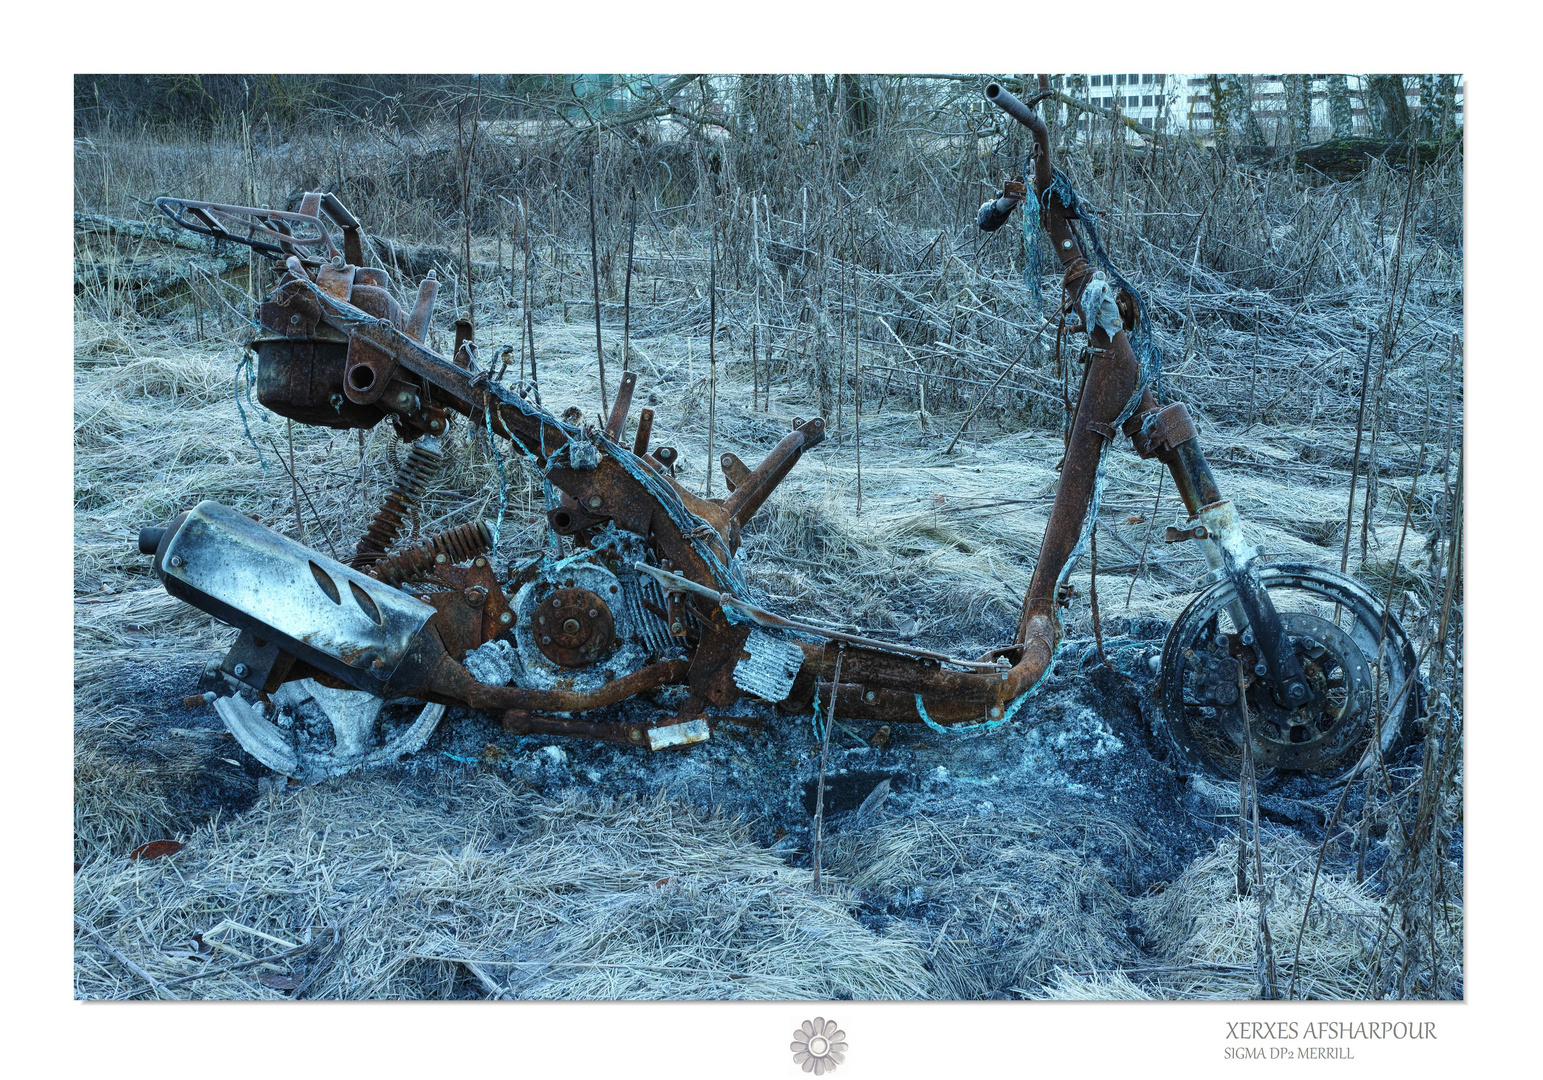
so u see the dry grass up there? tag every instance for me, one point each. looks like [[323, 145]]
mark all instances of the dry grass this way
[[547, 899]]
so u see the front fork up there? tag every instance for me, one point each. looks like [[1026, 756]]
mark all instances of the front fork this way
[[1168, 434]]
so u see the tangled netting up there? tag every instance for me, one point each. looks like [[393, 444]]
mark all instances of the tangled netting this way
[[1142, 343]]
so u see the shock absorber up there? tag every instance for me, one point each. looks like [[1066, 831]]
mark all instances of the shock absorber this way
[[412, 480], [456, 545]]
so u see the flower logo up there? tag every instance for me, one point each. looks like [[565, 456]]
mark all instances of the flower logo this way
[[819, 1046]]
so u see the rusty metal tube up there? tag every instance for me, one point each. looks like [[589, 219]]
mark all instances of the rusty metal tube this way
[[616, 423], [1112, 376], [644, 433], [747, 498], [418, 321], [950, 696], [1008, 102], [452, 681]]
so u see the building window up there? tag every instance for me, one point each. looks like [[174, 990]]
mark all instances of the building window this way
[[1132, 102], [1108, 80], [1131, 79], [1120, 79], [1146, 101], [1056, 82]]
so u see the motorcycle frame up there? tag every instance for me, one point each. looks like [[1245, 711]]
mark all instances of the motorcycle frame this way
[[389, 371]]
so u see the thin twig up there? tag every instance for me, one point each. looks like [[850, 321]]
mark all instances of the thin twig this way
[[594, 267], [160, 989], [819, 798]]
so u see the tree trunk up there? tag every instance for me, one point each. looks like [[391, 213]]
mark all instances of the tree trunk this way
[[1341, 119], [1221, 132], [1240, 106], [1446, 107], [821, 93], [1299, 108], [1388, 104]]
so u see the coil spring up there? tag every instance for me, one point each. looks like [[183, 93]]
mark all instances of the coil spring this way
[[456, 545], [412, 480]]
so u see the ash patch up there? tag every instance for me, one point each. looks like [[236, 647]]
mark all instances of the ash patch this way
[[178, 766]]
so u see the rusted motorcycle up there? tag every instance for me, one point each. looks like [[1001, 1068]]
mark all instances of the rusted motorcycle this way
[[641, 587]]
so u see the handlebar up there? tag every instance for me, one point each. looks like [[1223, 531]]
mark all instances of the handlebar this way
[[993, 215], [277, 233], [1008, 102]]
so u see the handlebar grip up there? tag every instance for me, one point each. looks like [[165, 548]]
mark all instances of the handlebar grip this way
[[994, 214]]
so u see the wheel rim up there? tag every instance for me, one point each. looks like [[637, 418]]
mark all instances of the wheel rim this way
[[365, 730], [1361, 676]]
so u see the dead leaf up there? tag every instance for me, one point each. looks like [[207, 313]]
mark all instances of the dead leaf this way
[[1135, 519], [662, 882], [156, 849], [278, 982]]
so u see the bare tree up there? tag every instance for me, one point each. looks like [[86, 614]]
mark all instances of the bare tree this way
[[1341, 119]]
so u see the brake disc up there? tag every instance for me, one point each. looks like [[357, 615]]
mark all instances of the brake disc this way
[[1362, 671]]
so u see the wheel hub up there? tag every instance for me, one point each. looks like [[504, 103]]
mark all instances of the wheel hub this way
[[1321, 732], [573, 627]]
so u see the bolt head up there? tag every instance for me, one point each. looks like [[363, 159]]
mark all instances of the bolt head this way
[[481, 562], [1066, 245], [505, 618], [593, 614], [241, 671], [995, 711], [675, 626], [870, 696], [175, 560], [635, 735], [546, 640], [594, 500], [440, 560], [294, 320], [1261, 669], [433, 425]]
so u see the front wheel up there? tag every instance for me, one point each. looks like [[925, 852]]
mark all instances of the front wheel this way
[[1366, 688]]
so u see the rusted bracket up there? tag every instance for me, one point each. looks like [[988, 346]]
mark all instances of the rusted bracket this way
[[1176, 535], [1159, 432]]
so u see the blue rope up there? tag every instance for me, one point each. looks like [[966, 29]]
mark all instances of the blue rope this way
[[1033, 258], [989, 725], [245, 364], [1142, 342]]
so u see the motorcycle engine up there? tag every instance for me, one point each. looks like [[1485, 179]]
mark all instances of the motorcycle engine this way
[[582, 622]]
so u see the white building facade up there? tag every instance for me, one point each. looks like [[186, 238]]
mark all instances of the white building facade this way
[[1182, 102]]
